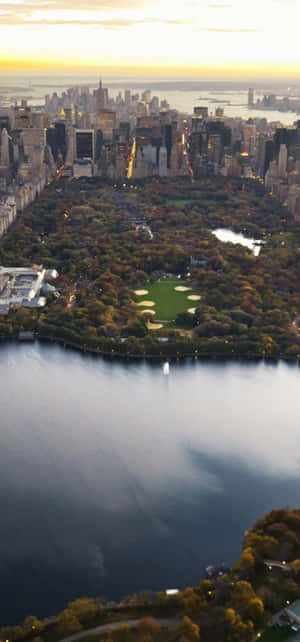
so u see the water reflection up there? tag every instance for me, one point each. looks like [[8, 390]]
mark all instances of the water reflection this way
[[228, 236], [116, 478]]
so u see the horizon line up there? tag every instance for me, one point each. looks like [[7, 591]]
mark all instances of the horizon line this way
[[263, 71]]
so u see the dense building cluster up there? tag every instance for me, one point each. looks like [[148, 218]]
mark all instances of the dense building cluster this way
[[272, 102], [85, 132], [283, 175]]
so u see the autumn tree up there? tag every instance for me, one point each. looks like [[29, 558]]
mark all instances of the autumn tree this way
[[190, 629]]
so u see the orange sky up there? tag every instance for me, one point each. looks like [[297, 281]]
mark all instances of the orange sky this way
[[211, 37]]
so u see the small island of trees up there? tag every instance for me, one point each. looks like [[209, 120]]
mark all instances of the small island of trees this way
[[230, 605]]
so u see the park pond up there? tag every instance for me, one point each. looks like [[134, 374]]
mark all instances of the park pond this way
[[228, 236], [116, 478]]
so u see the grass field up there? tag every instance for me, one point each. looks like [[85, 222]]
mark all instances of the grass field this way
[[168, 302], [180, 203], [277, 635]]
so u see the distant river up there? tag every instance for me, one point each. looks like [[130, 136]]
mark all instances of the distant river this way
[[115, 478]]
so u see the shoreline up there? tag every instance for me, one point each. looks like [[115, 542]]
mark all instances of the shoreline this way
[[162, 356]]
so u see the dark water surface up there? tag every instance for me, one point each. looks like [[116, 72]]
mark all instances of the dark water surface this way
[[115, 479]]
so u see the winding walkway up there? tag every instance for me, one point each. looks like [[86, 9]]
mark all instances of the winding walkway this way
[[102, 628]]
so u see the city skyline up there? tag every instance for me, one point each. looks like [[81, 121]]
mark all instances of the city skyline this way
[[215, 38]]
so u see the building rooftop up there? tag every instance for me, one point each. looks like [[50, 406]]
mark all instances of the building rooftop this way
[[294, 608], [22, 287]]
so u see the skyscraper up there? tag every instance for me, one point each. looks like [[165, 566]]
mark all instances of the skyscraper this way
[[4, 148], [107, 122], [100, 98], [250, 97], [282, 161], [84, 143]]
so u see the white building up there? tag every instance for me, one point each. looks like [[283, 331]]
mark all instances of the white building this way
[[22, 287]]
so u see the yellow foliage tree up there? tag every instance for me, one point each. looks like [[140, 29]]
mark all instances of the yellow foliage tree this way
[[193, 604], [84, 608], [67, 623], [246, 561], [191, 630]]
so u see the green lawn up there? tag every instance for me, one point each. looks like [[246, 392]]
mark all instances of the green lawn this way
[[168, 302], [277, 635], [180, 203]]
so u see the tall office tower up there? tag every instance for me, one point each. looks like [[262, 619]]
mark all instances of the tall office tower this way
[[197, 124], [297, 159], [100, 98], [22, 117], [49, 160], [119, 99], [127, 97], [70, 146], [4, 148], [106, 121], [154, 105], [261, 153], [68, 116], [174, 148], [167, 141], [85, 143], [86, 121], [162, 162], [215, 148], [60, 129], [141, 109], [297, 132], [282, 161], [38, 119], [5, 119], [201, 112], [146, 96], [120, 170], [76, 116], [219, 112], [250, 97], [269, 154], [249, 137], [16, 153], [124, 132], [34, 141]]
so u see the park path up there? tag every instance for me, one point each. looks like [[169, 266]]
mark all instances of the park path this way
[[102, 628]]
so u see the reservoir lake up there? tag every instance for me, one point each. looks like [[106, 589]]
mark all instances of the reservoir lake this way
[[117, 479]]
